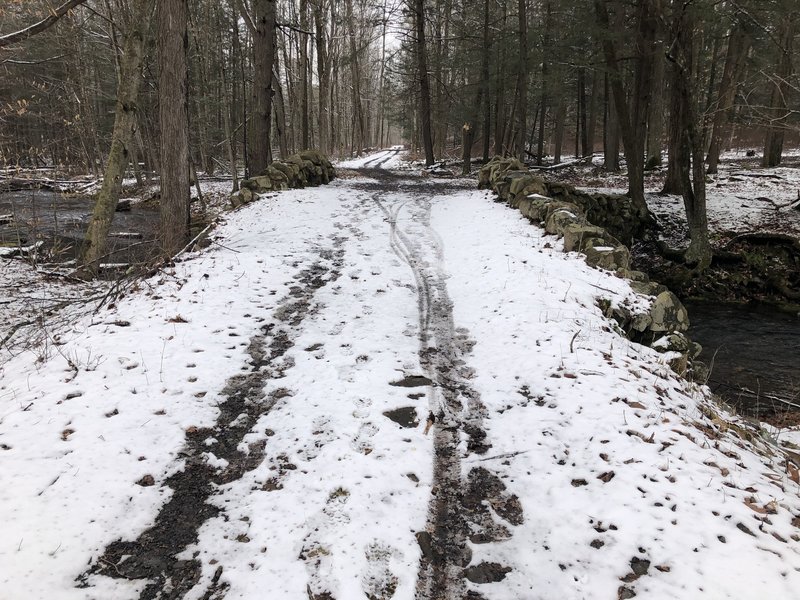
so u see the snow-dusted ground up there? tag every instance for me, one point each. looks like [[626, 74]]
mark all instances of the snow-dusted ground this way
[[742, 197], [604, 470]]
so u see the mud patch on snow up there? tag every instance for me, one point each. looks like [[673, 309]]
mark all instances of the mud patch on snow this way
[[405, 416], [411, 381], [207, 465]]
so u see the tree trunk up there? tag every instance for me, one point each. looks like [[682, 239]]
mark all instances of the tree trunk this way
[[487, 105], [324, 76], [593, 102], [382, 78], [467, 137], [522, 79], [304, 75], [355, 76], [174, 120], [690, 143], [610, 132], [738, 45], [424, 81], [260, 154], [558, 130], [632, 120], [280, 111], [655, 116], [545, 68], [581, 122], [122, 138], [777, 112]]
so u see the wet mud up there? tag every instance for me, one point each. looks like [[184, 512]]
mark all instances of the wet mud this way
[[153, 555]]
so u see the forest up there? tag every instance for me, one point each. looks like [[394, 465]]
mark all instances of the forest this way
[[399, 299], [112, 89]]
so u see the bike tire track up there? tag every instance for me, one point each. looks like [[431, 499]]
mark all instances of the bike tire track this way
[[458, 508]]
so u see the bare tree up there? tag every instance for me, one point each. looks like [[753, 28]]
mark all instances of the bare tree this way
[[777, 112], [522, 78], [38, 27], [123, 137], [174, 120], [632, 118], [688, 129], [424, 80], [738, 44]]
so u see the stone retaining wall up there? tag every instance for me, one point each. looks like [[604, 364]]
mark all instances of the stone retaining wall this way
[[593, 224], [510, 180], [297, 171]]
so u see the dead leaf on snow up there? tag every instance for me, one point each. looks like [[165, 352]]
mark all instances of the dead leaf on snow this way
[[751, 504]]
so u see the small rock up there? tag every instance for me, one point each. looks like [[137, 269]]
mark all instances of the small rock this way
[[146, 481], [624, 593], [486, 572]]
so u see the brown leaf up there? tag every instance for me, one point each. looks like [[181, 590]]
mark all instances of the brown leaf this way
[[606, 477], [751, 504], [793, 472]]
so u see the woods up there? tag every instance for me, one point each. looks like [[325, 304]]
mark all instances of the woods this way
[[112, 87]]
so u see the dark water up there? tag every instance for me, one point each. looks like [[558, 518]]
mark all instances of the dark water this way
[[61, 220], [754, 355]]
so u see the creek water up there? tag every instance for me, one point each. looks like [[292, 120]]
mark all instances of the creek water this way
[[61, 220], [754, 356]]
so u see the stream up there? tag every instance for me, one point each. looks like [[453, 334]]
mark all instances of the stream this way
[[61, 220], [753, 354]]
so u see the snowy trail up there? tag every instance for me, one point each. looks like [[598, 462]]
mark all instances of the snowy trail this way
[[253, 424], [455, 409]]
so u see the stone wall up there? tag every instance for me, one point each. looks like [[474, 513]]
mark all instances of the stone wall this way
[[593, 224], [297, 171], [509, 179]]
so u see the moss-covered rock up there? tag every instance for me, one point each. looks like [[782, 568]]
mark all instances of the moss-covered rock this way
[[299, 170]]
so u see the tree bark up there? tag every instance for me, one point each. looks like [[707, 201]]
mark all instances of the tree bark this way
[[355, 76], [738, 45], [122, 139], [280, 111], [632, 119], [777, 112], [304, 75], [690, 143], [610, 132], [655, 116], [581, 129], [522, 79], [545, 75], [260, 154], [424, 81], [323, 75], [558, 130], [593, 102], [487, 105], [173, 45]]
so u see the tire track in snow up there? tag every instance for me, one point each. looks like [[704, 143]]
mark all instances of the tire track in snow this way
[[459, 510], [381, 159]]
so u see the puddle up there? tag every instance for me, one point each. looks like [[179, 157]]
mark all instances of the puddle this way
[[412, 381], [405, 416]]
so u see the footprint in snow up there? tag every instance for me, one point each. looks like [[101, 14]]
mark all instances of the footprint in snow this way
[[321, 434], [377, 579], [362, 442], [319, 549]]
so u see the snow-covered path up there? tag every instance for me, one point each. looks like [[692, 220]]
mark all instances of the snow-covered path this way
[[387, 388]]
